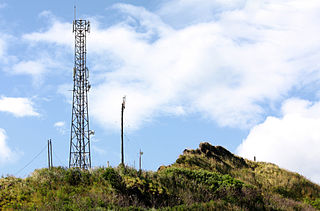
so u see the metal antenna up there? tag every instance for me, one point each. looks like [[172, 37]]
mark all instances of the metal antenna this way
[[80, 156], [122, 111]]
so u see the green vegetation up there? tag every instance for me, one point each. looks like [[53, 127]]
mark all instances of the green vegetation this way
[[208, 178]]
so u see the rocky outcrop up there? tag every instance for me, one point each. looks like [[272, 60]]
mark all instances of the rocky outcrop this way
[[219, 154]]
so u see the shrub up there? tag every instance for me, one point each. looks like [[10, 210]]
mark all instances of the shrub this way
[[73, 176], [113, 178]]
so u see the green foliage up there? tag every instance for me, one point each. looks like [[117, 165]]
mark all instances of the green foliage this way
[[194, 161], [315, 203], [113, 178], [73, 176], [213, 180]]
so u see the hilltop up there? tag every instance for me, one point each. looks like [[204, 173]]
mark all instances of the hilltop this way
[[207, 178]]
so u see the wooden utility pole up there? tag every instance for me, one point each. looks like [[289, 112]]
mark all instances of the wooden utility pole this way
[[50, 154], [122, 110], [140, 154]]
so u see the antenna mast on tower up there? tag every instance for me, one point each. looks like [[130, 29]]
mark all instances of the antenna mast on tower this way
[[80, 134]]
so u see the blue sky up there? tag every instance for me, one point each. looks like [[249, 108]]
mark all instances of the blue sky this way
[[241, 74]]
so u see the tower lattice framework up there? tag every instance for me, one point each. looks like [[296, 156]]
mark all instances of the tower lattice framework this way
[[80, 134]]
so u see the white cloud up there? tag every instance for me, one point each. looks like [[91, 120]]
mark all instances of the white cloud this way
[[224, 69], [291, 141], [59, 124], [228, 68], [49, 51], [19, 107], [181, 13], [29, 68], [59, 33], [6, 154], [5, 40], [39, 68], [61, 127]]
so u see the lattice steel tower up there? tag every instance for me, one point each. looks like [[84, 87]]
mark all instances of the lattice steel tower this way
[[80, 134]]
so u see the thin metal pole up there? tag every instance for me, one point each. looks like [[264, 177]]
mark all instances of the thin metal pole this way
[[122, 156], [140, 160], [122, 111], [49, 154]]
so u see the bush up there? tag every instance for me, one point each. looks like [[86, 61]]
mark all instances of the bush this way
[[113, 178], [73, 176]]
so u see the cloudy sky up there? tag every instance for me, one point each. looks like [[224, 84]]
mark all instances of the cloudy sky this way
[[243, 74]]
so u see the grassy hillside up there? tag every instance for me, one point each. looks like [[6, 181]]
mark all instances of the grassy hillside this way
[[208, 178], [265, 176]]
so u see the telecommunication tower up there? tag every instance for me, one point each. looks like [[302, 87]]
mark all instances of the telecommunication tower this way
[[80, 156]]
